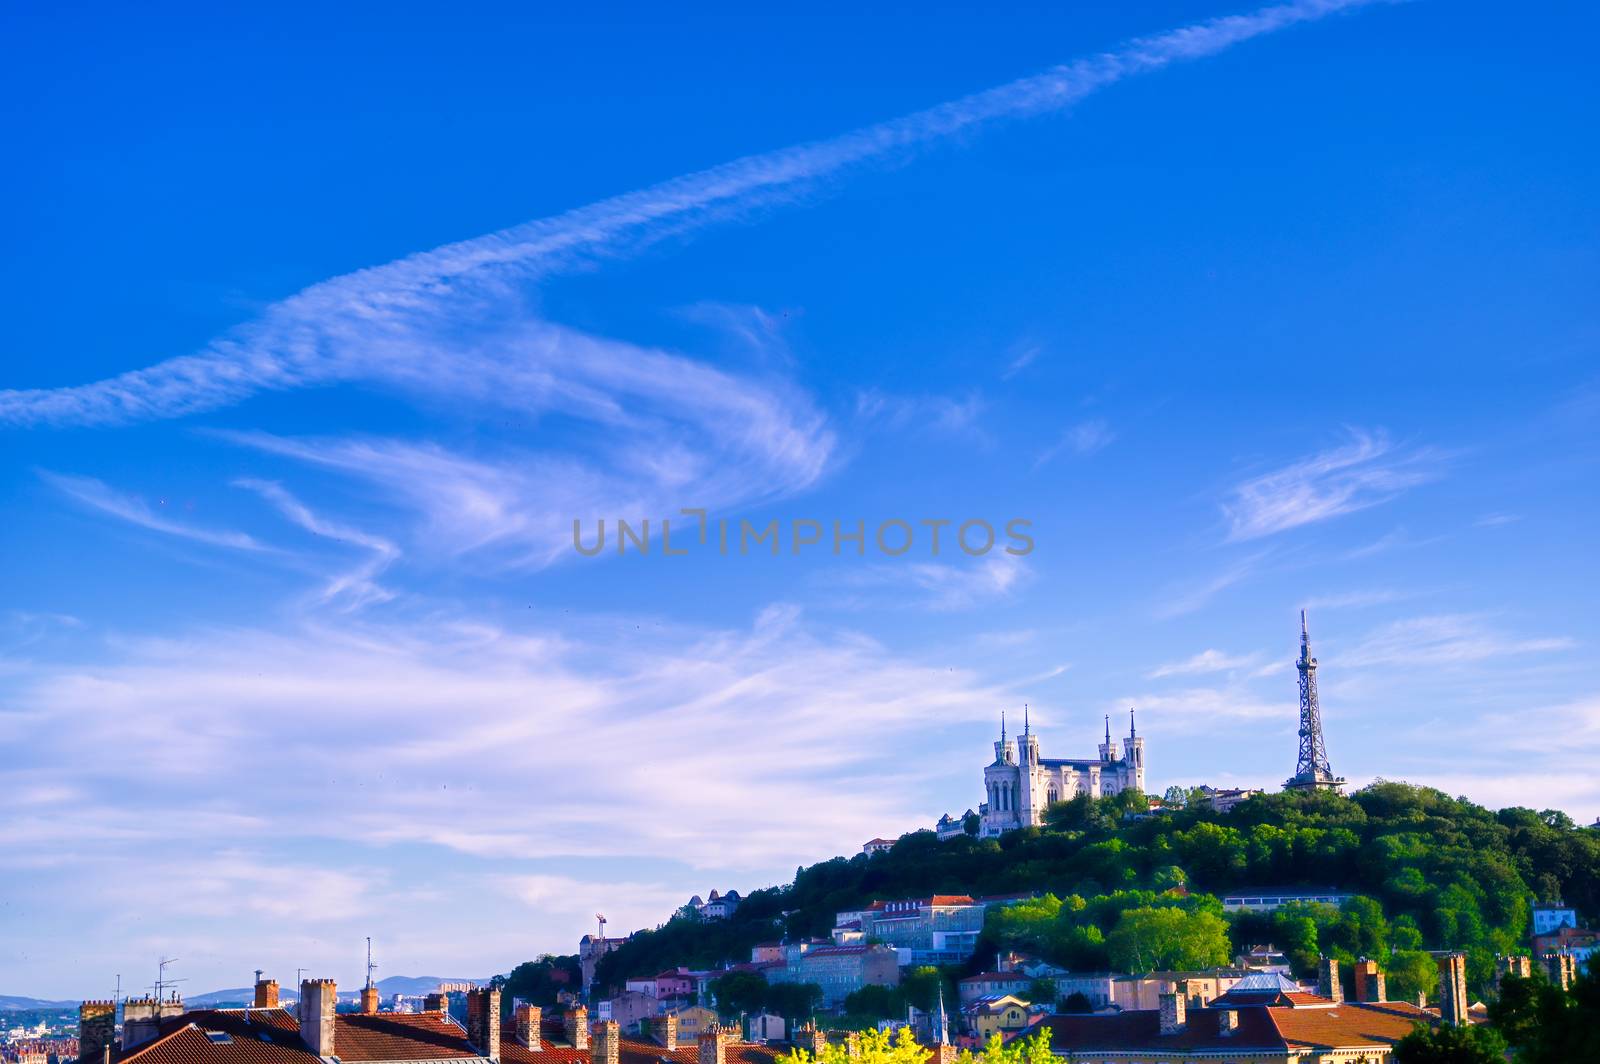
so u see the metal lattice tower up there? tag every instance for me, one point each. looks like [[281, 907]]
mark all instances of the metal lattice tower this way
[[1311, 769]]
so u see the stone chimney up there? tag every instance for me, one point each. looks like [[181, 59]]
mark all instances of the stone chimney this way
[[1174, 1013], [944, 1053], [1328, 984], [577, 1024], [141, 1021], [669, 1033], [713, 1045], [317, 999], [852, 1045], [1370, 981], [1422, 999], [97, 1029], [1453, 988], [607, 1047], [266, 993], [526, 1022], [483, 1021], [436, 1003], [1562, 968], [369, 1000], [1518, 964], [812, 1039]]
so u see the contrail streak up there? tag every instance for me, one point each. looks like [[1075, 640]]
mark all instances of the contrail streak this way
[[355, 326]]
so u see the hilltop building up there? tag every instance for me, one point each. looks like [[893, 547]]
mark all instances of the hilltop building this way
[[1020, 784]]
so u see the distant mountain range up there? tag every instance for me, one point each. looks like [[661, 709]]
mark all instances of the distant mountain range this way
[[409, 985], [9, 1003]]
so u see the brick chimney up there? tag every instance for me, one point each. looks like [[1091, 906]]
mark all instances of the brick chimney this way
[[669, 1033], [526, 1022], [141, 1021], [317, 999], [436, 1003], [369, 1000], [1328, 984], [852, 1044], [266, 993], [1174, 1013], [97, 1029], [713, 1045], [607, 1047], [943, 1053], [1453, 988], [577, 1024], [483, 1021], [1369, 981]]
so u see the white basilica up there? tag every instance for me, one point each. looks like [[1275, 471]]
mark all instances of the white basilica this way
[[1020, 783]]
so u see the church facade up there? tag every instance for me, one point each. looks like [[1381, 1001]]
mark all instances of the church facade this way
[[1020, 784]]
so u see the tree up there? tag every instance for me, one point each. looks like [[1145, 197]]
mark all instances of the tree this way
[[881, 1047], [1546, 1024], [1175, 798], [1077, 1001], [793, 1000], [1409, 973], [1147, 939], [872, 1003], [739, 992], [1449, 1044]]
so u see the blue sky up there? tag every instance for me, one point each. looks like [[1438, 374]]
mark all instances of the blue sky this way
[[324, 326]]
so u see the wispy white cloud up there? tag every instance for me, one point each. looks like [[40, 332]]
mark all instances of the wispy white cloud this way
[[1444, 639], [1195, 595], [134, 510], [938, 413], [1084, 438], [1365, 472], [942, 586], [1021, 360], [387, 322], [1352, 600], [1204, 662], [355, 587]]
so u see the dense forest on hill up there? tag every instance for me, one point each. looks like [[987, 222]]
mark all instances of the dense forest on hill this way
[[1122, 892]]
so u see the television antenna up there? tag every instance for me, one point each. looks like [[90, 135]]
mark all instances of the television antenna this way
[[370, 966], [162, 982]]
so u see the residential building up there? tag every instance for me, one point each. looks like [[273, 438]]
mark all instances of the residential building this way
[[1002, 1014], [1266, 899], [1548, 918], [950, 827], [764, 1027], [766, 953], [839, 970], [938, 929], [1222, 800], [716, 906], [991, 985], [1134, 992], [876, 846], [693, 1020]]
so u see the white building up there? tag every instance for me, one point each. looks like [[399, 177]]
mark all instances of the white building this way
[[1020, 784]]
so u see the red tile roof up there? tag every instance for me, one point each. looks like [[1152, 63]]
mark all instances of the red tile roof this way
[[1261, 1029]]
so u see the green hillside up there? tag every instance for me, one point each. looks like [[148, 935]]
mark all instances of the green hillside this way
[[1430, 872]]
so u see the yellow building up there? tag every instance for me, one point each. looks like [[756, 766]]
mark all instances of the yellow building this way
[[1003, 1014]]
